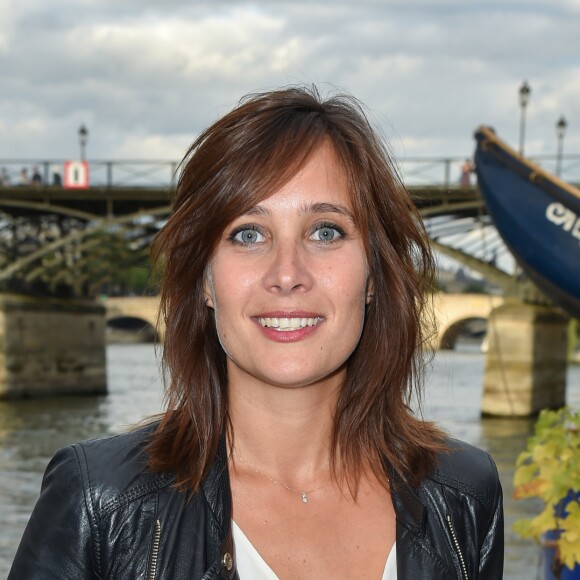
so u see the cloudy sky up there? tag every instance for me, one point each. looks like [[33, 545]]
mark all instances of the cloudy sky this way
[[145, 76]]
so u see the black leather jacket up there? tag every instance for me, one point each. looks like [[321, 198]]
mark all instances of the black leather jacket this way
[[102, 515]]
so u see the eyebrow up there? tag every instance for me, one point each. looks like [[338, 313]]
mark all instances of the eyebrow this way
[[311, 208]]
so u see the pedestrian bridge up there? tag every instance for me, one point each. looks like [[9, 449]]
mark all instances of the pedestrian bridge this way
[[451, 311]]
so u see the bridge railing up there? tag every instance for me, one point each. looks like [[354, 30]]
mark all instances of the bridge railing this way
[[446, 171], [102, 173], [157, 174], [415, 171]]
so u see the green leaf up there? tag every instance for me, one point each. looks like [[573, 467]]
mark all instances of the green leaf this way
[[569, 548], [525, 473], [524, 528], [545, 453]]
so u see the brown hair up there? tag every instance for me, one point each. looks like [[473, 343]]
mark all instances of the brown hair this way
[[234, 164]]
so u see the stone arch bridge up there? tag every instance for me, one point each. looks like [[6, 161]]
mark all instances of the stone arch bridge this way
[[452, 312]]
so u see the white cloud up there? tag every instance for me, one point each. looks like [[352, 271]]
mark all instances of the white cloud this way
[[157, 147], [146, 77]]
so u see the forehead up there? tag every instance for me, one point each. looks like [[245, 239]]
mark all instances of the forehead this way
[[320, 180]]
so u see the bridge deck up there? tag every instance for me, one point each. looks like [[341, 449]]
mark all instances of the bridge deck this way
[[118, 201]]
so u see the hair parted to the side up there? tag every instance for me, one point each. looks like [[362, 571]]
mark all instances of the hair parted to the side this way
[[240, 160]]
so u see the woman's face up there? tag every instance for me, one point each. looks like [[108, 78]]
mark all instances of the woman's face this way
[[288, 281]]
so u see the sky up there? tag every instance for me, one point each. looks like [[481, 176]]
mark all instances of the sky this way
[[146, 76]]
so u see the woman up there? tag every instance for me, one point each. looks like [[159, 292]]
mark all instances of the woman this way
[[295, 270]]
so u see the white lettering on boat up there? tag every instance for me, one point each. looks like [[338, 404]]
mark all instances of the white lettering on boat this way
[[564, 217]]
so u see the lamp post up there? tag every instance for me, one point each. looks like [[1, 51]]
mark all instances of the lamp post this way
[[561, 126], [83, 138], [525, 91]]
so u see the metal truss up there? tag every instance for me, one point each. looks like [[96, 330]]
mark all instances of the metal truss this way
[[473, 241], [52, 250]]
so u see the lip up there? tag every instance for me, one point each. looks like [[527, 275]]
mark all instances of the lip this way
[[288, 314], [290, 335]]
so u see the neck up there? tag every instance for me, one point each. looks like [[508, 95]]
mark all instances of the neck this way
[[284, 432]]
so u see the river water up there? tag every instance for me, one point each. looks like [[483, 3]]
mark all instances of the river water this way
[[32, 430]]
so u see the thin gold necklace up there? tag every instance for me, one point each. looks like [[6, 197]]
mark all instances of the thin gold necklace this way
[[303, 493]]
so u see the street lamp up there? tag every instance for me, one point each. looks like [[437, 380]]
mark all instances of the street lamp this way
[[83, 138], [525, 91], [561, 126]]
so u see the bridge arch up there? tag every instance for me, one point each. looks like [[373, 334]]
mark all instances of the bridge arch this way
[[473, 326], [130, 329], [141, 308], [454, 311]]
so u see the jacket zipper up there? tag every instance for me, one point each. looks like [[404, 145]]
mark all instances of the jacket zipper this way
[[457, 548], [155, 550]]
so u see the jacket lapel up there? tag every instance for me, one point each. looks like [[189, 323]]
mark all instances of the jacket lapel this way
[[416, 557], [217, 493]]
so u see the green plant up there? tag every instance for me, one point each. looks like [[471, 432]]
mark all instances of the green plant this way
[[549, 469]]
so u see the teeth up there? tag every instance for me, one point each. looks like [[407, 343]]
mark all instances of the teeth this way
[[288, 324]]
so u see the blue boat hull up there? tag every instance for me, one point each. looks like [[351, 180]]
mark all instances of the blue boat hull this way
[[536, 214]]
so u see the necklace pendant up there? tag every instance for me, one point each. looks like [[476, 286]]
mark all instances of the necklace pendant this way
[[304, 497]]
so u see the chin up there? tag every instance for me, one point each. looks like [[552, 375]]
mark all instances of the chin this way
[[288, 380], [294, 376]]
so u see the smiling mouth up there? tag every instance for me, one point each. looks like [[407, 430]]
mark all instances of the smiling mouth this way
[[288, 324]]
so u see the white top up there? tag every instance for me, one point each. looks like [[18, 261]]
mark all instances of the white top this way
[[251, 566]]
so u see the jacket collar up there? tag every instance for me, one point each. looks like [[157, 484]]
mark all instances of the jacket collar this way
[[217, 492], [410, 510]]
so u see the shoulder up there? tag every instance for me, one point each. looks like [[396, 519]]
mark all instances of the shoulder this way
[[114, 469], [469, 470]]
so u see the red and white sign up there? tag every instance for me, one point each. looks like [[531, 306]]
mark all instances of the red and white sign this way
[[76, 175]]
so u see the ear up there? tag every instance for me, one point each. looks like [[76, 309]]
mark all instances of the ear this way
[[207, 293], [370, 290]]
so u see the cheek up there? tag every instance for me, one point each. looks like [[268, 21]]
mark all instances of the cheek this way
[[233, 277], [231, 288], [356, 295], [348, 286], [221, 318]]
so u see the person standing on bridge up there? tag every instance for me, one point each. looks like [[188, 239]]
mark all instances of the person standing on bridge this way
[[466, 172], [295, 277], [4, 177], [23, 178]]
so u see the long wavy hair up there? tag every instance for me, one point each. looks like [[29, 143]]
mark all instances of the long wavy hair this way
[[233, 165]]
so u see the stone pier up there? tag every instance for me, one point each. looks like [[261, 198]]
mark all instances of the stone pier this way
[[51, 346], [526, 361]]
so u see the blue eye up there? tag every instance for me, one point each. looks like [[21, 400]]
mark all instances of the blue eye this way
[[327, 233], [247, 236]]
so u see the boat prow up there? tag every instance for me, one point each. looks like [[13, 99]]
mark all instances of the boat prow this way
[[537, 215]]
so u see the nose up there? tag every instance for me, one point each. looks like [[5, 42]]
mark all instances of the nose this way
[[289, 268]]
